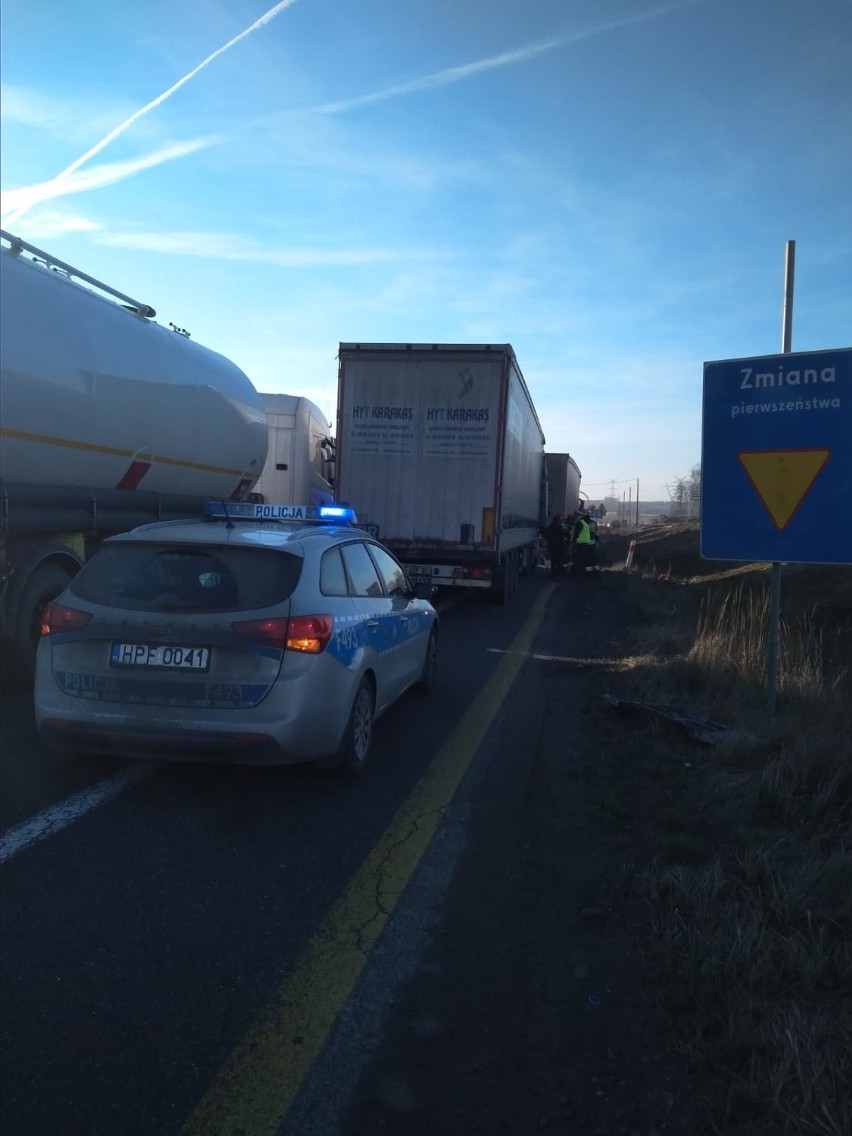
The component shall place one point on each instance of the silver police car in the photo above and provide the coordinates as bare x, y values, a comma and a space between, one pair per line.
261, 634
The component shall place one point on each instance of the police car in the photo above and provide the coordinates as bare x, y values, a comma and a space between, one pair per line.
260, 633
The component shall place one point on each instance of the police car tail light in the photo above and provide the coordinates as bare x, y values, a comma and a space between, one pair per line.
268, 632
57, 618
309, 633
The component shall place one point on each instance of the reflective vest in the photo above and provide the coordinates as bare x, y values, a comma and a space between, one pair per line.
584, 536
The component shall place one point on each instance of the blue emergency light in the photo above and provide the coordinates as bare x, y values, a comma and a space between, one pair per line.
241, 511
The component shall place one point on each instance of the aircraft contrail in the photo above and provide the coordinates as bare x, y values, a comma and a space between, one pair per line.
128, 122
505, 59
95, 177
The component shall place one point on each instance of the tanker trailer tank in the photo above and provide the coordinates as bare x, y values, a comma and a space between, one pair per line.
95, 394
105, 416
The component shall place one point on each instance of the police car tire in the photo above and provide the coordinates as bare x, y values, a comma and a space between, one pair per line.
426, 682
355, 745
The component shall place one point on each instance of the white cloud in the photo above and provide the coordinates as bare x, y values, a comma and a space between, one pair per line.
225, 246
71, 117
31, 108
47, 223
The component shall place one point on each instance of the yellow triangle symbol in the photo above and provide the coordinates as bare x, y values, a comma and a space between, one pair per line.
783, 478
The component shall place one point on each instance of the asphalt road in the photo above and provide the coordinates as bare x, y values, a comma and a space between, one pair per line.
147, 931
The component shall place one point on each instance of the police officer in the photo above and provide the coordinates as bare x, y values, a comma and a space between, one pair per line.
581, 546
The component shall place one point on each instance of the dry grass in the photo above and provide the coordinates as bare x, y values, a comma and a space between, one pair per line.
750, 933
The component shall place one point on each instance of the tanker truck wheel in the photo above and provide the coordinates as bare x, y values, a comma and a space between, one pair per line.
44, 585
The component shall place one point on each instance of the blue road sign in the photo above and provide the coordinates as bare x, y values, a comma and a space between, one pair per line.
776, 458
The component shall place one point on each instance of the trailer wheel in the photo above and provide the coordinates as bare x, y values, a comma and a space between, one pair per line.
513, 572
502, 588
44, 585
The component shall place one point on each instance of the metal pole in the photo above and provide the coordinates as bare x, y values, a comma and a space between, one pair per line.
789, 281
637, 502
774, 640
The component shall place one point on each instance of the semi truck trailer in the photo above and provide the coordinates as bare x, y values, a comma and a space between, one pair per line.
563, 485
441, 454
300, 461
107, 420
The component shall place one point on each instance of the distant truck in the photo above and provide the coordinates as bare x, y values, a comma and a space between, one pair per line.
107, 421
441, 454
563, 485
299, 465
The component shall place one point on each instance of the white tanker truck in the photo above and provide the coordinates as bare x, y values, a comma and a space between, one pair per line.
107, 421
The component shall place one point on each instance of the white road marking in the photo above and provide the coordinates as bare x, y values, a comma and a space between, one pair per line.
57, 817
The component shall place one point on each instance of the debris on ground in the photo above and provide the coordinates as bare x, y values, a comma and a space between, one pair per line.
700, 730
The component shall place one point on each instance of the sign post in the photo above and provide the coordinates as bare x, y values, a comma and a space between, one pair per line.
773, 645
776, 463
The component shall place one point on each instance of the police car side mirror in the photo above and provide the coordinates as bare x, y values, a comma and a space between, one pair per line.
425, 591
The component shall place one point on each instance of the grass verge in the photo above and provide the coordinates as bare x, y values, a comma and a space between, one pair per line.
746, 874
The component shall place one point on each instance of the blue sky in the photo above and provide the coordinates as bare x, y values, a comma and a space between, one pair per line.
606, 184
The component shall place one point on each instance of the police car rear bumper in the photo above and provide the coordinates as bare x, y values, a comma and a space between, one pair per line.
289, 726
170, 745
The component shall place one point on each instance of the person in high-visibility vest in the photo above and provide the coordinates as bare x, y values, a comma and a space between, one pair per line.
581, 546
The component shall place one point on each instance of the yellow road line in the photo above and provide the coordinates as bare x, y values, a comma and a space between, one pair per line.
253, 1091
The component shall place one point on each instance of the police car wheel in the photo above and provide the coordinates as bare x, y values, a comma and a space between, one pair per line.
426, 682
355, 746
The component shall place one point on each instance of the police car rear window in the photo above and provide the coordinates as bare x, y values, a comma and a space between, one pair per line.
361, 570
332, 574
166, 577
390, 571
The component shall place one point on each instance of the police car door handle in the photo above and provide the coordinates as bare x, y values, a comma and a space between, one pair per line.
372, 623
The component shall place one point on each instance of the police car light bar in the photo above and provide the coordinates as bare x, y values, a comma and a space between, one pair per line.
240, 511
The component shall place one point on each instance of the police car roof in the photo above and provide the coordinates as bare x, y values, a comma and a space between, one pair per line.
250, 534
252, 524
